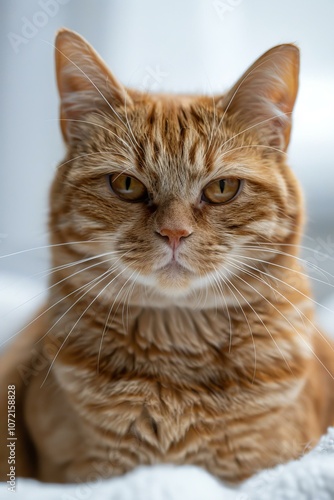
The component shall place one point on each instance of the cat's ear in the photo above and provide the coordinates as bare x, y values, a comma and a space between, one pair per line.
264, 96
85, 83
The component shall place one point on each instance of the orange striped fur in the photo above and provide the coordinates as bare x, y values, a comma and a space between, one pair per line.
177, 330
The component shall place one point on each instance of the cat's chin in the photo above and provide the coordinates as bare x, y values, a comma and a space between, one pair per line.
174, 279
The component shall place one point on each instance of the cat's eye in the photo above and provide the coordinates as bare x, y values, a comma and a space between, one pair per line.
128, 188
221, 191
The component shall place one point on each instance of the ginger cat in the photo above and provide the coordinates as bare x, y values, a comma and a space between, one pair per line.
178, 327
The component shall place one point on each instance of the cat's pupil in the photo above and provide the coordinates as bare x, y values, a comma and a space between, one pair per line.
127, 183
222, 185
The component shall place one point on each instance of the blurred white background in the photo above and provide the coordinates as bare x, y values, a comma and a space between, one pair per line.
174, 45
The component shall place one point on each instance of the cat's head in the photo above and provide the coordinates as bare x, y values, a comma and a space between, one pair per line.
182, 188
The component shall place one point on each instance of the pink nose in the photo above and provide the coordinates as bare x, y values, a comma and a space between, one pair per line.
174, 235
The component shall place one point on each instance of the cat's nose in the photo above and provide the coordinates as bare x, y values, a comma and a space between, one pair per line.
174, 235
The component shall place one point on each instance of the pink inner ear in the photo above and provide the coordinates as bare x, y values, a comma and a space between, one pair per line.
85, 83
267, 93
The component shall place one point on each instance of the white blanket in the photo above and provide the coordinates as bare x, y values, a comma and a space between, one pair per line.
310, 478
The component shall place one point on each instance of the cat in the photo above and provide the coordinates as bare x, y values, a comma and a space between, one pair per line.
179, 326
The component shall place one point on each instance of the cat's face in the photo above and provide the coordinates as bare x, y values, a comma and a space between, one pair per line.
180, 187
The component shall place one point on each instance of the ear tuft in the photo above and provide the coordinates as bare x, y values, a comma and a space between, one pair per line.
263, 98
85, 83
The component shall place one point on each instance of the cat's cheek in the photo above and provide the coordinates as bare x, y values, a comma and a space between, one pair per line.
271, 228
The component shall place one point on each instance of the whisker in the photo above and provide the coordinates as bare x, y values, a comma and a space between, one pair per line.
278, 252
237, 90
127, 301
286, 319
261, 320
285, 268
107, 320
43, 247
310, 249
248, 146
226, 307
77, 321
95, 153
233, 97
99, 126
55, 304
62, 280
213, 124
61, 267
90, 80
256, 125
285, 298
247, 321
119, 292
130, 129
97, 280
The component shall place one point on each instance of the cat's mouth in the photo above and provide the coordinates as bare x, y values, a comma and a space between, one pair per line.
174, 265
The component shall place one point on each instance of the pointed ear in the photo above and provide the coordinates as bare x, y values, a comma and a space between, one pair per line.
264, 96
85, 83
